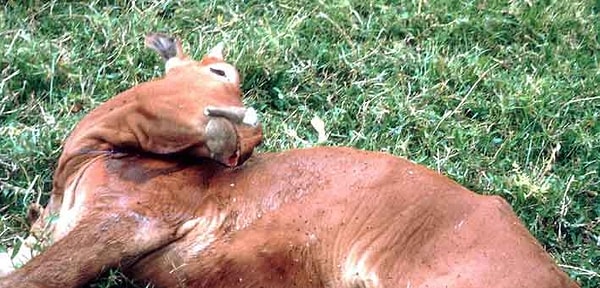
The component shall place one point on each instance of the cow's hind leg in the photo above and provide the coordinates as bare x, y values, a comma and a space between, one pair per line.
97, 242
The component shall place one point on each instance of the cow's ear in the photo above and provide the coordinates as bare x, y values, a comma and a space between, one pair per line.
217, 52
169, 48
165, 45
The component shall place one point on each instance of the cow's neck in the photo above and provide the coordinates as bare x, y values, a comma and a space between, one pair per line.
71, 161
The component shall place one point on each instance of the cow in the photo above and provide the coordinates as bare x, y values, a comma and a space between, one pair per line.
160, 181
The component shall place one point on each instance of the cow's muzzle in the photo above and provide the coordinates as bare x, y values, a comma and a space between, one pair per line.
232, 133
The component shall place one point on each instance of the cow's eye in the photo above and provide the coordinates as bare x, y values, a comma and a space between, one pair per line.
218, 72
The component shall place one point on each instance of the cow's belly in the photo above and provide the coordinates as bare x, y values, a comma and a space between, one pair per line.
478, 243
368, 240
264, 254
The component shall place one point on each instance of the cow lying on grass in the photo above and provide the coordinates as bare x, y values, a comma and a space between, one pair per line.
151, 182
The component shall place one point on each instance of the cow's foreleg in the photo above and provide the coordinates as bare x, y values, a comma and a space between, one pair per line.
95, 244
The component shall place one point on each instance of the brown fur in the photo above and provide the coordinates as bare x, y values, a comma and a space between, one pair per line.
320, 217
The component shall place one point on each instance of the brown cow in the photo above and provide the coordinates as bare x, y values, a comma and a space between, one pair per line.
129, 194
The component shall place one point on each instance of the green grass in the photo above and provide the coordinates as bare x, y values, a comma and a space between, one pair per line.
501, 96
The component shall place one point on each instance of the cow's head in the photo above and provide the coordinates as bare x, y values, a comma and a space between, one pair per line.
195, 109
231, 129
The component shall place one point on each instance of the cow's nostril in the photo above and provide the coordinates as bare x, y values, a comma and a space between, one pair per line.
233, 159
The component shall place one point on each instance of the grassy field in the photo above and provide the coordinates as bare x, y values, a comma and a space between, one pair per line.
501, 96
